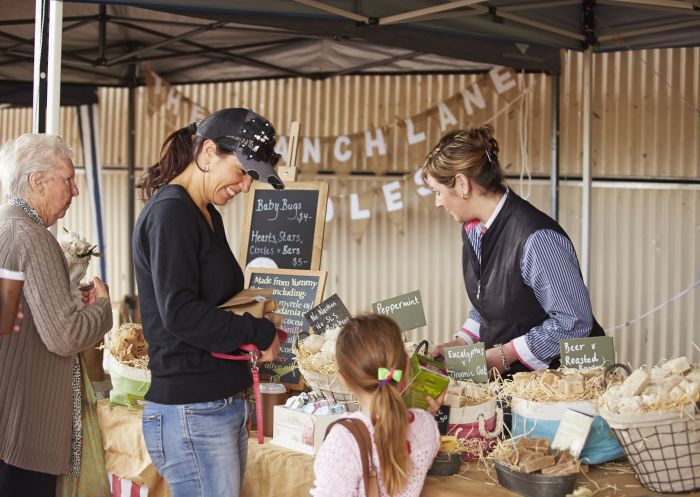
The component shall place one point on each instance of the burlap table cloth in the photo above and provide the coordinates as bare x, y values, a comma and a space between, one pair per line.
273, 471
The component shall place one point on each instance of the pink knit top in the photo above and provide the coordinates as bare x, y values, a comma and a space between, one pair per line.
338, 466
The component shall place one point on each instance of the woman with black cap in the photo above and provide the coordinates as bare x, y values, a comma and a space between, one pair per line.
520, 268
194, 420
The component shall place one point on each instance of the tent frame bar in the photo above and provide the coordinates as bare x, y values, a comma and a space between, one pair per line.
415, 15
334, 10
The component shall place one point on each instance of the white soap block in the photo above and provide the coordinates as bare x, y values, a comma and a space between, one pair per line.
332, 333
659, 373
693, 376
671, 381
635, 383
678, 365
328, 347
313, 343
691, 388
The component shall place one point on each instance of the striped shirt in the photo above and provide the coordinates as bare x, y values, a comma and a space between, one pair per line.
550, 268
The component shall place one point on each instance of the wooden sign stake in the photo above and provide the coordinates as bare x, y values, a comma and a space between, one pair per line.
288, 173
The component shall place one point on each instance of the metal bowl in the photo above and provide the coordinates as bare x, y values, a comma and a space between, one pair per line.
534, 485
445, 464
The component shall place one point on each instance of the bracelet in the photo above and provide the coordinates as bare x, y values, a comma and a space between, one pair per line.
506, 366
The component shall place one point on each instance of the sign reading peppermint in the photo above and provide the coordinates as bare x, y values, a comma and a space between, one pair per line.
406, 310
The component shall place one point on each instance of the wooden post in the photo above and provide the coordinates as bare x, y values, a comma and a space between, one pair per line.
288, 173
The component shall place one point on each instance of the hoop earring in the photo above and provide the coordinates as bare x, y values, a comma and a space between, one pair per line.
465, 196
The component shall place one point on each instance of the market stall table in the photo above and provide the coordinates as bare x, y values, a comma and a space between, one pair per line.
273, 471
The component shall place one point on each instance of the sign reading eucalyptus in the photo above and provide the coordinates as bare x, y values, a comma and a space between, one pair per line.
467, 362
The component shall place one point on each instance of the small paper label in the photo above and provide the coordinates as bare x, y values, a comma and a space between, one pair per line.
572, 432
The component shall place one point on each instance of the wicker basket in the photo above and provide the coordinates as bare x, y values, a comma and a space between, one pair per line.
328, 385
662, 447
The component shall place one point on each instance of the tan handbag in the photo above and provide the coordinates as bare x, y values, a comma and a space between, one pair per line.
364, 442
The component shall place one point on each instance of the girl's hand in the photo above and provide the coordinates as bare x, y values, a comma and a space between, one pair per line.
434, 404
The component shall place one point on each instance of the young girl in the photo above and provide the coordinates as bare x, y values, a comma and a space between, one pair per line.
371, 362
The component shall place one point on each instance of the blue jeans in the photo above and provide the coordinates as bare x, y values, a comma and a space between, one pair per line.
200, 449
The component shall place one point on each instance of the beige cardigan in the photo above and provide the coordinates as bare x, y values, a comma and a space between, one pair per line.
35, 364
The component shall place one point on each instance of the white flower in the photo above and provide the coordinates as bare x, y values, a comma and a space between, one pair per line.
77, 251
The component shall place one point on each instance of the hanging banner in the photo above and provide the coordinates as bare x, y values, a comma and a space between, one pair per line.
408, 137
361, 206
469, 106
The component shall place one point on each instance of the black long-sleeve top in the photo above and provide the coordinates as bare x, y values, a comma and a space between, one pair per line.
184, 270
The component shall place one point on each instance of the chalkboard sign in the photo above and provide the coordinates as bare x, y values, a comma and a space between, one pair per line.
284, 228
585, 353
443, 419
406, 310
296, 292
467, 362
331, 313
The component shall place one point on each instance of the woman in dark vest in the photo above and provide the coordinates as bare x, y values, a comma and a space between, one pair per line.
520, 268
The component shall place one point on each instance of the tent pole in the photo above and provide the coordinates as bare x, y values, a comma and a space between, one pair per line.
41, 45
53, 100
131, 174
586, 176
554, 175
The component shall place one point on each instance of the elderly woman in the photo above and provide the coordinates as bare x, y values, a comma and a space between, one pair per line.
38, 365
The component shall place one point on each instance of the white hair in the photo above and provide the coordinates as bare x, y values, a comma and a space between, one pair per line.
30, 153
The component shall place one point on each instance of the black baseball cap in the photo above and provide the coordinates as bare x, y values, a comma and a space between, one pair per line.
249, 136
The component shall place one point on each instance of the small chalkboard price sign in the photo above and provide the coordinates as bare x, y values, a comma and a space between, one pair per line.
284, 228
331, 313
585, 353
296, 292
443, 419
467, 362
406, 310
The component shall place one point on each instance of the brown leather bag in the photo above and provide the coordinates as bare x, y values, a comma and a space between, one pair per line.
364, 442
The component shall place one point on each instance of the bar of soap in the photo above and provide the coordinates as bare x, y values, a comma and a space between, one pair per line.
523, 377
550, 378
635, 383
678, 365
566, 468
536, 463
570, 386
534, 444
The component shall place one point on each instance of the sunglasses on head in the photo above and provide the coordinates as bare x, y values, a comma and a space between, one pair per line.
273, 180
260, 152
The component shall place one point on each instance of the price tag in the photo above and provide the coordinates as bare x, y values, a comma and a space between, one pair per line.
443, 417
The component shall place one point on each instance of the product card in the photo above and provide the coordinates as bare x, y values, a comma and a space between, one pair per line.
406, 310
586, 353
467, 362
331, 313
572, 432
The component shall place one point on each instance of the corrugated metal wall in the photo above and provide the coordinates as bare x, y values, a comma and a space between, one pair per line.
645, 237
645, 114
